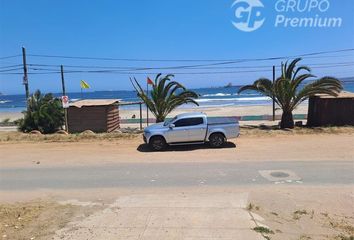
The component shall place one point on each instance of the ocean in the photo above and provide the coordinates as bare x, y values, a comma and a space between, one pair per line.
209, 97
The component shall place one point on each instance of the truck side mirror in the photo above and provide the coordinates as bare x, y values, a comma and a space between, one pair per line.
171, 126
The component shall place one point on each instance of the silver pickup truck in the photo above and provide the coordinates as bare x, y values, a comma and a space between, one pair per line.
191, 128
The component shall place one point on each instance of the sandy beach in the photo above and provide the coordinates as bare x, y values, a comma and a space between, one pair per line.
224, 111
211, 111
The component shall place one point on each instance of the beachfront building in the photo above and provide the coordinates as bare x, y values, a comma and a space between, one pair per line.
325, 110
97, 115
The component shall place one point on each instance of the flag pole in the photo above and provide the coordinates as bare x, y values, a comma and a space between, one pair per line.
83, 85
147, 108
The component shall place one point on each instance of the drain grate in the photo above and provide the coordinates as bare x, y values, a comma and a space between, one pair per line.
279, 175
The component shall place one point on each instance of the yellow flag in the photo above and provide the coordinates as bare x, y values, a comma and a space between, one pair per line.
84, 85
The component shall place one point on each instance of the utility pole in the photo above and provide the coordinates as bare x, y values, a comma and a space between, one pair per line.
273, 93
25, 77
141, 116
64, 94
62, 79
147, 108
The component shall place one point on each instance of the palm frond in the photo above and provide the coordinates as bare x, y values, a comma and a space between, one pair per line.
286, 90
262, 85
165, 95
298, 80
291, 68
326, 85
302, 68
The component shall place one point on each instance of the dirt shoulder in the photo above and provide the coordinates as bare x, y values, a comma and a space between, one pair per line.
305, 213
272, 147
37, 219
290, 212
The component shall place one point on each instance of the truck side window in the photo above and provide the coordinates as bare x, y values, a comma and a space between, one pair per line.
188, 122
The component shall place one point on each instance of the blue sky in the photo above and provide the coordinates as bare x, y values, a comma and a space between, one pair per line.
159, 29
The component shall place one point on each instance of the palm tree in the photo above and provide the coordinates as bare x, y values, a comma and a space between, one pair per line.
166, 95
286, 90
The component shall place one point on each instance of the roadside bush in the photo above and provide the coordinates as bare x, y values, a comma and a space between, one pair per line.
45, 114
5, 121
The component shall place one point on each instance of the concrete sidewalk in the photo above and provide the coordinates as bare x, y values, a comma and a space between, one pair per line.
152, 217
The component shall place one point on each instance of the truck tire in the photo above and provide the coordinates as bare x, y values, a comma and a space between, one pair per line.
217, 140
157, 143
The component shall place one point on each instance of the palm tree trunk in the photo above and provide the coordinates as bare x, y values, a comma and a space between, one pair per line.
160, 119
287, 120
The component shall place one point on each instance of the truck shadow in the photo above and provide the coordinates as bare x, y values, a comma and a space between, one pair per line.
182, 148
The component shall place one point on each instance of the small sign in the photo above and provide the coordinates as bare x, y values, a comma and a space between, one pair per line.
65, 101
25, 80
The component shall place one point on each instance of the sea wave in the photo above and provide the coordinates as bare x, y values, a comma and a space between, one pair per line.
248, 99
229, 94
207, 106
5, 101
246, 94
254, 99
216, 105
217, 95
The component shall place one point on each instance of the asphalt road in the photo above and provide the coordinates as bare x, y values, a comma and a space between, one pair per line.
174, 175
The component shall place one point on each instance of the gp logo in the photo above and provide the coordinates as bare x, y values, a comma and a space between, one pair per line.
248, 15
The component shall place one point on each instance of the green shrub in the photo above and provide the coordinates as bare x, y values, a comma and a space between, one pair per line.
45, 114
5, 121
263, 230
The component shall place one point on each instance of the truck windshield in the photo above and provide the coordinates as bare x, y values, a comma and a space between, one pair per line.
167, 122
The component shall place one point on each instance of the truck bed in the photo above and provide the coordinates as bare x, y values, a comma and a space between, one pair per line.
222, 120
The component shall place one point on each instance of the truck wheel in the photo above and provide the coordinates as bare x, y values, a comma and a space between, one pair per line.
157, 143
217, 140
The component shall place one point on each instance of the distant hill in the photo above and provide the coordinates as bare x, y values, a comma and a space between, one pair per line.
347, 79
228, 85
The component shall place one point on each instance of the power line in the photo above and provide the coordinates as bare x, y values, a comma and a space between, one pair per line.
51, 71
38, 66
11, 69
200, 66
210, 66
189, 60
10, 66
130, 68
131, 73
13, 56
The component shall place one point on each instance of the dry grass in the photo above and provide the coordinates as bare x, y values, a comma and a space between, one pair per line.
298, 213
24, 137
251, 207
33, 220
263, 230
342, 225
263, 130
343, 237
336, 227
248, 130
